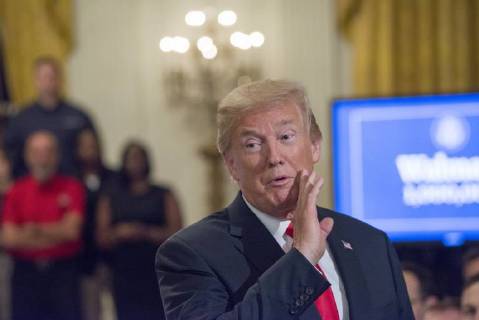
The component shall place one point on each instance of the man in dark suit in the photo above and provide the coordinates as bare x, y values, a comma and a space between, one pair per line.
272, 254
51, 112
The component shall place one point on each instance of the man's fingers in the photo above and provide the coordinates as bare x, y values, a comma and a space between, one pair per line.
303, 186
312, 178
304, 180
310, 234
309, 185
314, 192
317, 186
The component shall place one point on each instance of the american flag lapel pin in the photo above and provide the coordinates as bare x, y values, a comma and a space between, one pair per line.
347, 245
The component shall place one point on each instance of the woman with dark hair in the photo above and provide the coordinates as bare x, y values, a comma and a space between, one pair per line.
134, 217
94, 175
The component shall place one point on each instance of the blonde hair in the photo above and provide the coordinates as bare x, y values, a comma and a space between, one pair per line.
261, 94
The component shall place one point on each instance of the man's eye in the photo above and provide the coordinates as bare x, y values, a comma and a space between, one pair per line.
469, 311
287, 136
252, 145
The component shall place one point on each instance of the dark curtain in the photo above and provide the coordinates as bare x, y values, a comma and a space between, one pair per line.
4, 96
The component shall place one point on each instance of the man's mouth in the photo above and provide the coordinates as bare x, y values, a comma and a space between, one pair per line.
279, 181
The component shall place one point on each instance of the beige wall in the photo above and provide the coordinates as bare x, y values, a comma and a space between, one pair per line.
117, 68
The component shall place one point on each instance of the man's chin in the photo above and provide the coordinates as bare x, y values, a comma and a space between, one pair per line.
285, 204
42, 176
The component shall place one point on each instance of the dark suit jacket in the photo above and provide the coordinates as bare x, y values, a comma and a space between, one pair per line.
228, 266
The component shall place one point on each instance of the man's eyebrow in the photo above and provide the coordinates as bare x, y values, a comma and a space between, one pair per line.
253, 132
249, 132
284, 122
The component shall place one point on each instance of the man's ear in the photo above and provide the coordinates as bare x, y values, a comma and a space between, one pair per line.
316, 149
231, 165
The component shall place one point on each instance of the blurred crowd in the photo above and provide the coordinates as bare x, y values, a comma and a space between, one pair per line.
72, 229
429, 304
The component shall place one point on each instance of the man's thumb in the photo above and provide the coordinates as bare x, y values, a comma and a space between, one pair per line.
326, 225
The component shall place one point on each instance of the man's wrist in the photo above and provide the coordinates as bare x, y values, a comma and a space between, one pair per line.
310, 255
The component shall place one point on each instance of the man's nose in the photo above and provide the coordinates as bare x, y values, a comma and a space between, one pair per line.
274, 155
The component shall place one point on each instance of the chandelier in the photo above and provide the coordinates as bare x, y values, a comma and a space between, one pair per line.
216, 65
209, 43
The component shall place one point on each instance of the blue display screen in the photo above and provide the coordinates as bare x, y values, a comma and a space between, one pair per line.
409, 166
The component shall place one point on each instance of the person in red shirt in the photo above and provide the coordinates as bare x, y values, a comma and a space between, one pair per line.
41, 229
6, 182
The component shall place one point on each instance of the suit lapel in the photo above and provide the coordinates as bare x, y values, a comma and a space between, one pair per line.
257, 244
350, 270
262, 251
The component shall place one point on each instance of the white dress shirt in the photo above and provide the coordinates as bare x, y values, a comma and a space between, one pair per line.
277, 228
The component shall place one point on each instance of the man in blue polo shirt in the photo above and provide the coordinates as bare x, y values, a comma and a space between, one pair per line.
51, 112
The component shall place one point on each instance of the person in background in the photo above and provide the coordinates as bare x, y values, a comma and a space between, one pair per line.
470, 299
41, 229
134, 217
50, 111
5, 263
5, 176
94, 175
419, 285
470, 262
446, 309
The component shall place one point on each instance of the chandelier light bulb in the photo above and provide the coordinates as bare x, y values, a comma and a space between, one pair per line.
166, 44
227, 18
240, 40
181, 44
210, 53
236, 38
204, 43
195, 18
257, 39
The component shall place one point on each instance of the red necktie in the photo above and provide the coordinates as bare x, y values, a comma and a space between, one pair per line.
325, 303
